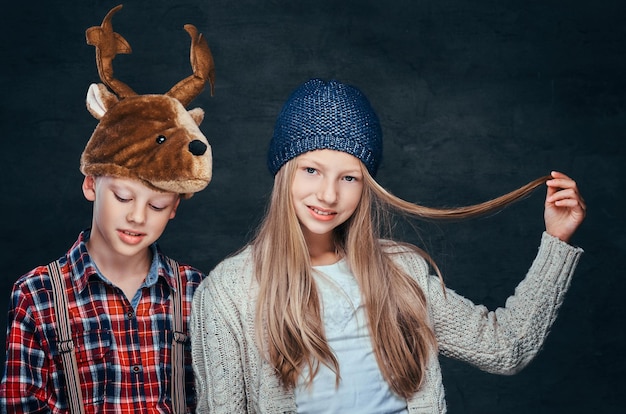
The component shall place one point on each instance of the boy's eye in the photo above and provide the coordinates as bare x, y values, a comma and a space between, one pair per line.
122, 199
156, 208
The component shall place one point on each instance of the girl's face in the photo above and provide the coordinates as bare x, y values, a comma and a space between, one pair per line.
326, 190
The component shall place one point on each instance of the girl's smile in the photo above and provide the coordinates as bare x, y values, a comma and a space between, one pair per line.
322, 214
326, 190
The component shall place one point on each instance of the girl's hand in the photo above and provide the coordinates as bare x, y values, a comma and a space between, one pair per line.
565, 208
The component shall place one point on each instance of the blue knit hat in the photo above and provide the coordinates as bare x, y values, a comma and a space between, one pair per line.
326, 115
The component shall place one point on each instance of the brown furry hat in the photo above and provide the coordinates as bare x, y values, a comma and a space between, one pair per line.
151, 138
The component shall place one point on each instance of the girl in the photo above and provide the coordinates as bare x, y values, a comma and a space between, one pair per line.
320, 313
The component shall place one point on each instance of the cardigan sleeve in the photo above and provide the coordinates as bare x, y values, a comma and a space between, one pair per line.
505, 340
217, 358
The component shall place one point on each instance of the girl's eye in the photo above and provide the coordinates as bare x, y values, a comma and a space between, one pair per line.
310, 170
350, 178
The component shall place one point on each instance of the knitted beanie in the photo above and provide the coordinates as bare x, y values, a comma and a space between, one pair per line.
326, 115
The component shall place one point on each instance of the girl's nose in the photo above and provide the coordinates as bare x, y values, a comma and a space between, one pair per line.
327, 191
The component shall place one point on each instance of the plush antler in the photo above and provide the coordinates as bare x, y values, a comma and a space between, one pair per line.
108, 44
203, 69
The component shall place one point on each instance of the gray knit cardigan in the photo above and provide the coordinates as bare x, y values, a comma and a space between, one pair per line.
233, 377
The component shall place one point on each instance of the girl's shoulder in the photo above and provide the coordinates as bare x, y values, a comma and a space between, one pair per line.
234, 269
410, 258
227, 288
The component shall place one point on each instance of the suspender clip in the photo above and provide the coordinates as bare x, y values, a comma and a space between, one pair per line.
180, 337
65, 346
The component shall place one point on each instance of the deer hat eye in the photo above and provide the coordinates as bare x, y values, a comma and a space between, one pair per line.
161, 139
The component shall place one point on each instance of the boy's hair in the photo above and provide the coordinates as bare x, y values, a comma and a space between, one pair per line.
151, 138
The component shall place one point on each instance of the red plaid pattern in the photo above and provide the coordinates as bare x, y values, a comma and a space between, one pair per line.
123, 353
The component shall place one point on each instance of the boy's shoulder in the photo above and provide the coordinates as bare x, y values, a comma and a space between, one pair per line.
188, 272
33, 289
39, 277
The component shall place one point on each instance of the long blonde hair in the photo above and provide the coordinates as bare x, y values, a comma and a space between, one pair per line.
288, 314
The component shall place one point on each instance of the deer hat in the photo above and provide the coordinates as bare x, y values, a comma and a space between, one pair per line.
151, 138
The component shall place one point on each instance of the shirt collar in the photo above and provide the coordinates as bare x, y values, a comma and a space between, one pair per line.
84, 268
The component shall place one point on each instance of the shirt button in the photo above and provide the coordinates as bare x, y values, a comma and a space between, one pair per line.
130, 314
136, 369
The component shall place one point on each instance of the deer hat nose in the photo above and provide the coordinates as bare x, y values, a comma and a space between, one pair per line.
197, 147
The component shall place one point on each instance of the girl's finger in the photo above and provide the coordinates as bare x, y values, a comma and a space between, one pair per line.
561, 183
564, 193
557, 174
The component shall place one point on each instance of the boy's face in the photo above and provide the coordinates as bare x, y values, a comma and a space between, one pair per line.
127, 215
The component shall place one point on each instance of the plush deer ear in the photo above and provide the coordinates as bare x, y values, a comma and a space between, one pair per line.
197, 114
100, 100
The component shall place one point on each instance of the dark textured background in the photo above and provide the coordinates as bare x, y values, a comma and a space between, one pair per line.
475, 97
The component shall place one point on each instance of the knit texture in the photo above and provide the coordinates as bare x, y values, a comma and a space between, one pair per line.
326, 115
232, 375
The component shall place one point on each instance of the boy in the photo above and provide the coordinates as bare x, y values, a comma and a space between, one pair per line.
104, 328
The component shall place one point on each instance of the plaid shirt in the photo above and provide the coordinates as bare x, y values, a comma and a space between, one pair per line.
123, 347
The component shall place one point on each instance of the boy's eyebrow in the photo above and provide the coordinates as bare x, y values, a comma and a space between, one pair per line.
118, 186
164, 198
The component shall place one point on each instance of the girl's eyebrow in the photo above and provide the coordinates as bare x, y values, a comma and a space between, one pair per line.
308, 160
348, 171
353, 171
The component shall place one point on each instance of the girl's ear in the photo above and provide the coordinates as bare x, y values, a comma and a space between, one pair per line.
89, 187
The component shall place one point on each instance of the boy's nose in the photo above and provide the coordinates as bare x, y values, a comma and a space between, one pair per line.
136, 215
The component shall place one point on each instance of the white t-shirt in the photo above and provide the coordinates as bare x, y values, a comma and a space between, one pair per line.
362, 388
